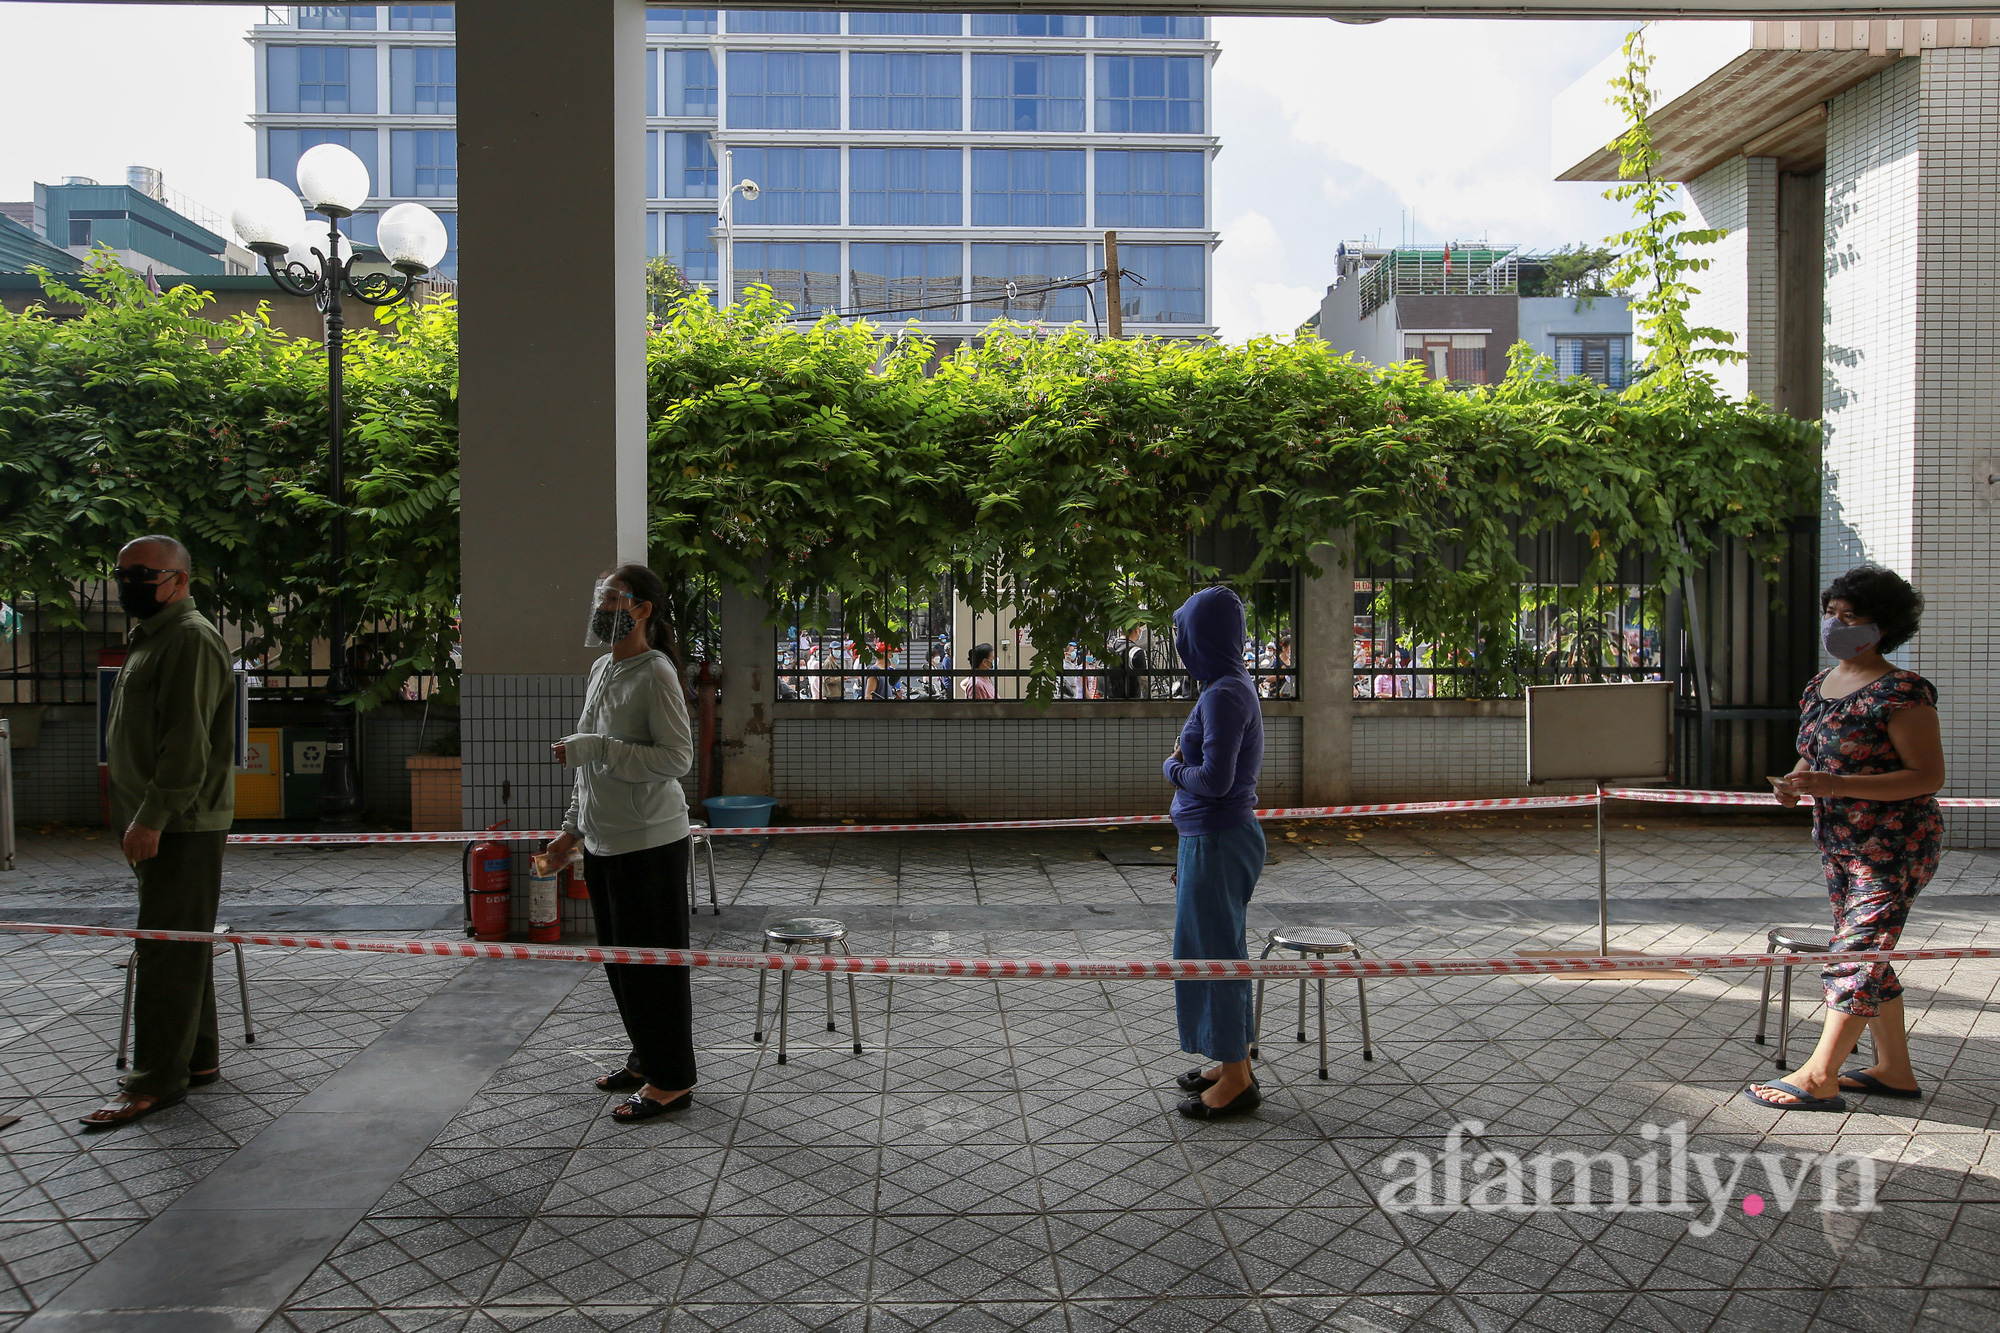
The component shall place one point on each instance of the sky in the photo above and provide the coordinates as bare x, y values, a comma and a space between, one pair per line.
1425, 129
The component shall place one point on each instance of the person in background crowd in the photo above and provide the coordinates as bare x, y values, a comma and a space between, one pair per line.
631, 746
171, 750
1279, 659
1126, 678
1072, 683
977, 685
1214, 770
1871, 757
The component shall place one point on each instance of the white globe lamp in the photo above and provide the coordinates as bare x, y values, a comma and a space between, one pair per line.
268, 218
333, 180
412, 238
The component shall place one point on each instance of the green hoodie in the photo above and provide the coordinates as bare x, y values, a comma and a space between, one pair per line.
173, 727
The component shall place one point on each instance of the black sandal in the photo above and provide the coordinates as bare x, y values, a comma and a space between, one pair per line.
622, 1081
641, 1107
1194, 1081
1246, 1101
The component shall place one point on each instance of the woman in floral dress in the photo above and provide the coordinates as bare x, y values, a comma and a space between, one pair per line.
1871, 758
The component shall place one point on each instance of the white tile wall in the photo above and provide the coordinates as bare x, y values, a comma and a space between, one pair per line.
1956, 413
993, 768
1871, 322
506, 725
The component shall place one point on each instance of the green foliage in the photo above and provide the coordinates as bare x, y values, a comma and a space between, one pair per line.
664, 286
137, 415
1065, 476
1579, 271
1654, 268
1068, 476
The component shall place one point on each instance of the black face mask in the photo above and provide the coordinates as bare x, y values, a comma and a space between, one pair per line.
611, 625
139, 599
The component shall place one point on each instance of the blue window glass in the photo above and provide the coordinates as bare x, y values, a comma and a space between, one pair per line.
679, 165
1027, 25
285, 146
917, 91
421, 18
362, 229
1148, 189
784, 21
334, 18
321, 80
684, 238
423, 163
899, 280
805, 275
1027, 187
680, 20
423, 80
904, 187
1031, 269
1027, 93
784, 90
903, 25
1151, 25
688, 86
448, 266
1174, 289
798, 186
1149, 95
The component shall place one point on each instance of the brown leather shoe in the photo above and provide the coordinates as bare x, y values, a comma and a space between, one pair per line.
125, 1108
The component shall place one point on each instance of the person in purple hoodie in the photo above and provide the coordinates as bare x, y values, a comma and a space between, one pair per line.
1214, 770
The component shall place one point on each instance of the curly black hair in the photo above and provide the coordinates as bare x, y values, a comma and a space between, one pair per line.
1884, 597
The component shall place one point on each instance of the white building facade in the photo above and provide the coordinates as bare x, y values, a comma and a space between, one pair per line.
910, 166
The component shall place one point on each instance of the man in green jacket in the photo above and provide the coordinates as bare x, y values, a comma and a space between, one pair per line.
172, 768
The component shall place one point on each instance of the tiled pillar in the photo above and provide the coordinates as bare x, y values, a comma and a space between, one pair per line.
1913, 172
1957, 415
1324, 652
552, 415
1739, 289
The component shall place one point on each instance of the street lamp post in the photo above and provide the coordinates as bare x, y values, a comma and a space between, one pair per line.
726, 213
272, 222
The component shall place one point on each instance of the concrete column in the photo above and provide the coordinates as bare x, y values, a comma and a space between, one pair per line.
744, 720
1325, 656
552, 391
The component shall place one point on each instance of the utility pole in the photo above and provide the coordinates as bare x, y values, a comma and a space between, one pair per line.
1112, 296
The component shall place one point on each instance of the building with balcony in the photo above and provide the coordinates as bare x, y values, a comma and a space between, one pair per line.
1459, 308
911, 165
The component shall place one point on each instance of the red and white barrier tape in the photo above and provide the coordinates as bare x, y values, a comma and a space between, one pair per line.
1183, 969
1098, 821
1680, 796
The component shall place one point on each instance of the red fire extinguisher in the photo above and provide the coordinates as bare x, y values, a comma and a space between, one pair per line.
489, 887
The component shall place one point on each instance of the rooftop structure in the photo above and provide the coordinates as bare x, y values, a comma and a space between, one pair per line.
148, 226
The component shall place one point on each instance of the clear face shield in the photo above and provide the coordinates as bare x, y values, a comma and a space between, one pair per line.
610, 615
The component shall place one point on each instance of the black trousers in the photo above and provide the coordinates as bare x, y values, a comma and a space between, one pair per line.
173, 1003
640, 900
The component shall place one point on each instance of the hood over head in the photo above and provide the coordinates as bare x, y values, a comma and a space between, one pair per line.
1209, 633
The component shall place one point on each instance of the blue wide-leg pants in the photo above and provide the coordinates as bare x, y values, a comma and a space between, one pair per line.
1216, 874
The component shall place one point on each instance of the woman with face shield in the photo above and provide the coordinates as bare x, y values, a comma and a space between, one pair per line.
630, 748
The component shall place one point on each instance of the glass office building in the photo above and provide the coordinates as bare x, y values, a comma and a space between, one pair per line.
946, 168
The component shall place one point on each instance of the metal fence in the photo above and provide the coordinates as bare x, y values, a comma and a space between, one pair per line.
46, 660
944, 649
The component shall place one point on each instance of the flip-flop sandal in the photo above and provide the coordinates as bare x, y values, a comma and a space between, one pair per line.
124, 1115
622, 1081
1805, 1102
641, 1107
1875, 1087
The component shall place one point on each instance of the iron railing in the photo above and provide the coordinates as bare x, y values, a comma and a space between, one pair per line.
1475, 269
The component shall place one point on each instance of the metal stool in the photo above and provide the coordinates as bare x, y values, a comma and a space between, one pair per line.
795, 933
698, 840
1786, 939
132, 981
1319, 943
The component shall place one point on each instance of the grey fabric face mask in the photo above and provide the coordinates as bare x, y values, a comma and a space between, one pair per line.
1847, 642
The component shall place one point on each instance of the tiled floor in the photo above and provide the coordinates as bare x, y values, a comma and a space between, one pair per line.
1003, 1155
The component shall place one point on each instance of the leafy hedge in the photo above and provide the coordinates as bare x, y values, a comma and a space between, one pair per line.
1065, 475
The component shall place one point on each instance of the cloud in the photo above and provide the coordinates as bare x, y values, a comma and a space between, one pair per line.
1425, 129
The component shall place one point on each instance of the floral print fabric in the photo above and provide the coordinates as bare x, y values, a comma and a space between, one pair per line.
1878, 855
